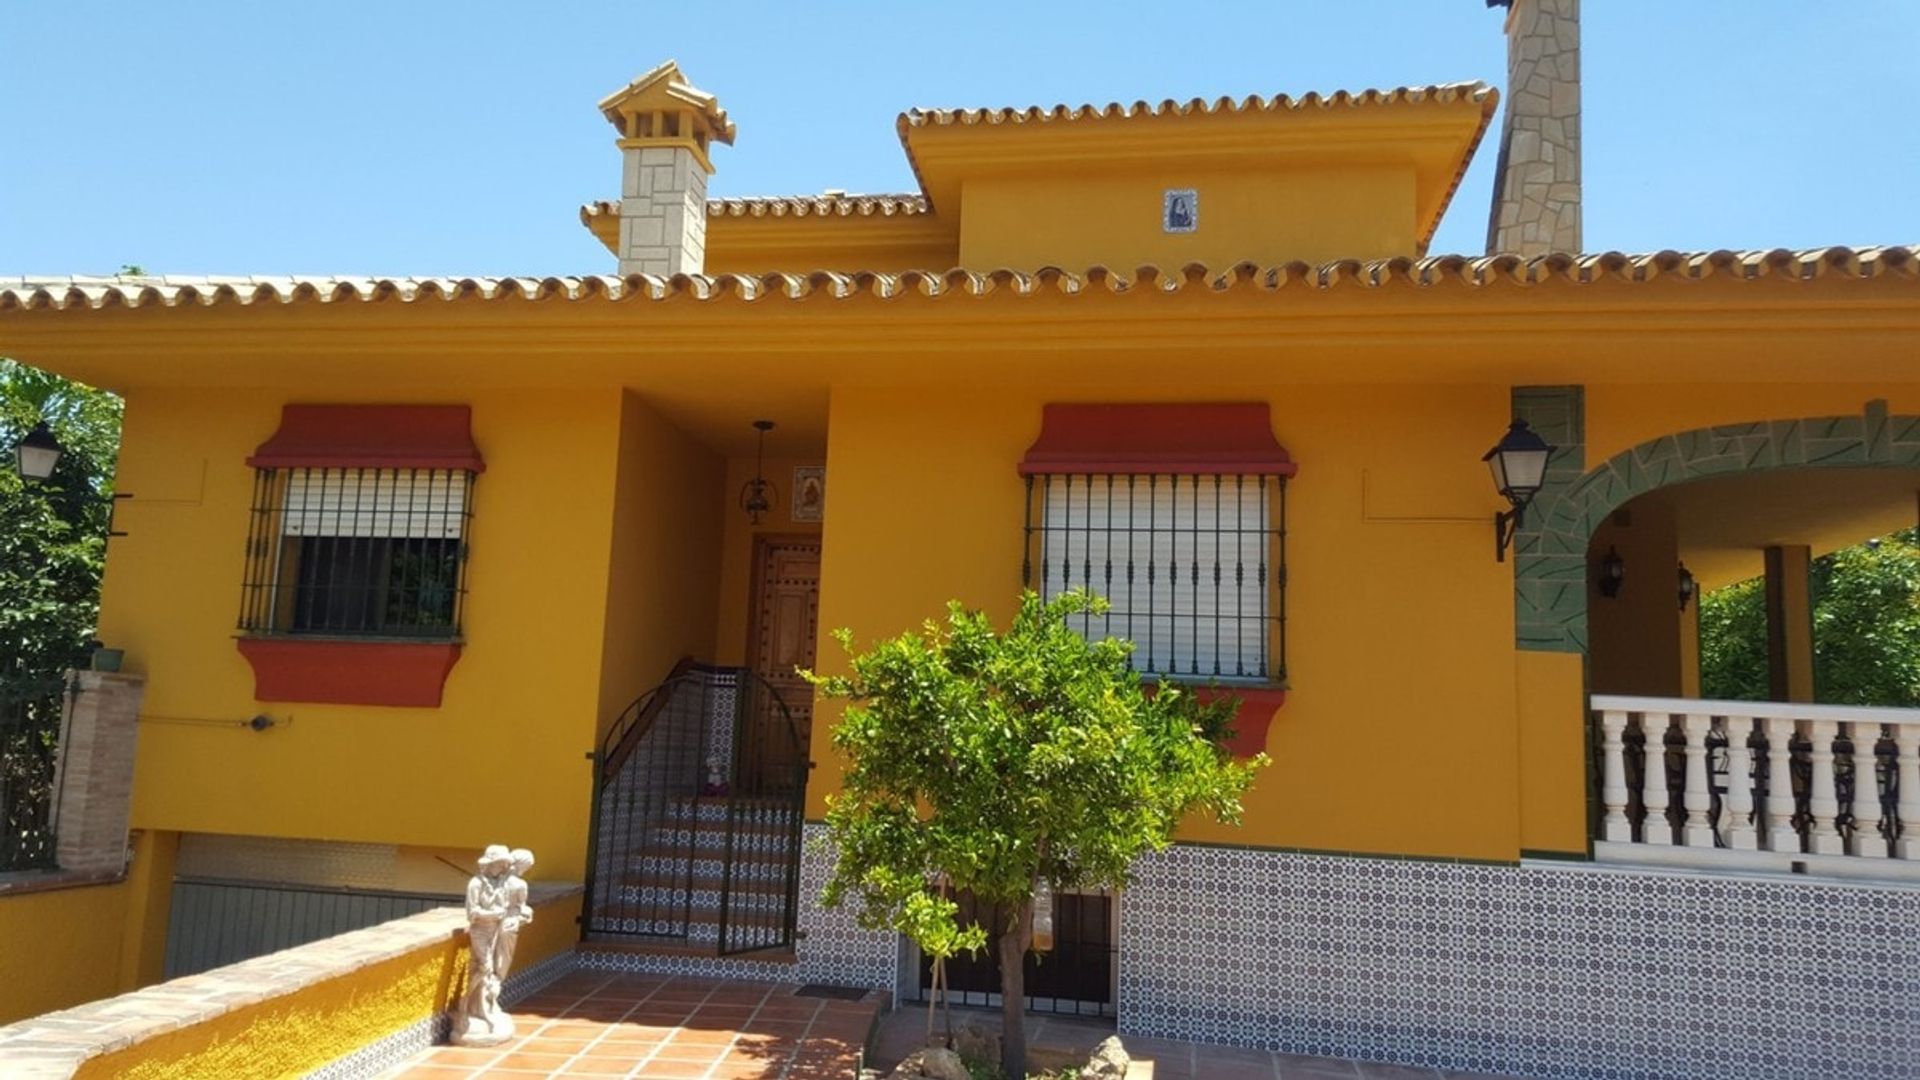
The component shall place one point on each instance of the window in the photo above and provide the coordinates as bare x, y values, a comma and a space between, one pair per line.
1175, 514
366, 552
1190, 564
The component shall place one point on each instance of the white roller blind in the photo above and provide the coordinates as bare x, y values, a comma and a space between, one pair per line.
1184, 561
413, 503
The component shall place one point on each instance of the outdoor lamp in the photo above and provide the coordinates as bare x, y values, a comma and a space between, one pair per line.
1689, 587
1519, 465
37, 454
1613, 574
756, 497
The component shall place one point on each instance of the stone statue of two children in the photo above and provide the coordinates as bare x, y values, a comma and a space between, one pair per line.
497, 908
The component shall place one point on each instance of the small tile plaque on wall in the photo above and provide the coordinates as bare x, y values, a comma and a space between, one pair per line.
1180, 210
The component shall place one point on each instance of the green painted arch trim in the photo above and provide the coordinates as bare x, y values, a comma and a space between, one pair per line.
1550, 565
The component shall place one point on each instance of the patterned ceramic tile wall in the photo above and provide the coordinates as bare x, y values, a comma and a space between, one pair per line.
832, 948
1548, 972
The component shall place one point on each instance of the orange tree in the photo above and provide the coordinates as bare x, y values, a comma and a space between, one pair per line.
993, 762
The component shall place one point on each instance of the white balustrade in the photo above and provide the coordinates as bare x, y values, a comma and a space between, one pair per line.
1781, 834
1761, 819
1655, 827
1867, 841
1907, 768
1741, 833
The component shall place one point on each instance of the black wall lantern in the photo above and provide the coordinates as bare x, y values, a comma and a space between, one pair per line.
1611, 575
37, 454
757, 496
1689, 587
1519, 465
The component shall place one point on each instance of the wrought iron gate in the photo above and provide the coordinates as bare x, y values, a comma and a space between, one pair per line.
698, 796
1075, 978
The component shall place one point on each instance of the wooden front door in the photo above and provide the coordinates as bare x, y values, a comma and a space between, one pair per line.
782, 628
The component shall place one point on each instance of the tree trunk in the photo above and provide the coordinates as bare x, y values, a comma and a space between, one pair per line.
1012, 946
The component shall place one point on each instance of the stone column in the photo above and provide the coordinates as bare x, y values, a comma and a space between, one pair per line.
1789, 623
1536, 192
93, 784
663, 210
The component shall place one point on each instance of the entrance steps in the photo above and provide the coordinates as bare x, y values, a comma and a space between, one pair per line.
663, 890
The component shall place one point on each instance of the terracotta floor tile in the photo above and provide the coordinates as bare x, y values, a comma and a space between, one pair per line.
601, 1067
542, 1045
435, 1072
756, 1070
784, 1029
632, 1032
685, 1049
465, 1056
702, 1036
672, 1070
523, 1060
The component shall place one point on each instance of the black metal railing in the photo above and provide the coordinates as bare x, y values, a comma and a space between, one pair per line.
357, 552
1192, 566
696, 820
30, 716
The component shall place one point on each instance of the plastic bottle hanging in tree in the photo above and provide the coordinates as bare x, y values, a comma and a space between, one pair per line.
1043, 918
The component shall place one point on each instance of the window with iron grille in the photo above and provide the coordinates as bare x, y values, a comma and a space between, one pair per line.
358, 552
1193, 565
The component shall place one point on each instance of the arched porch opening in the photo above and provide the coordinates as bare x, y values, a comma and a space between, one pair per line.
1777, 781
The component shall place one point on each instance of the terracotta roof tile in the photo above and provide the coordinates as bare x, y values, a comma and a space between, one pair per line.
789, 206
63, 293
1254, 103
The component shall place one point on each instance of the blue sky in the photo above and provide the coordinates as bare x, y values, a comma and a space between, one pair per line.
461, 138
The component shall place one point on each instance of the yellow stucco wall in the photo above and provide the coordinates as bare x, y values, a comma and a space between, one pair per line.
519, 707
1077, 221
1398, 734
297, 1033
59, 948
1633, 638
665, 555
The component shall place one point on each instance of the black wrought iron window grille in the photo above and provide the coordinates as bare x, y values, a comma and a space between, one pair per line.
1192, 566
357, 552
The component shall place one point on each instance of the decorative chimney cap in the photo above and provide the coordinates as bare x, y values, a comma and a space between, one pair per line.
663, 96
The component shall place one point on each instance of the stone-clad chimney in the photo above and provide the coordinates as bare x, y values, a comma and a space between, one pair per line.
1536, 192
667, 127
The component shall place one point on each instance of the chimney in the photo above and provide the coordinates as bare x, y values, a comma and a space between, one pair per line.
1536, 190
667, 126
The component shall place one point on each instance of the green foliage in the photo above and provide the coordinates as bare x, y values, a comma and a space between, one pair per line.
1866, 623
53, 533
997, 761
1866, 629
1733, 642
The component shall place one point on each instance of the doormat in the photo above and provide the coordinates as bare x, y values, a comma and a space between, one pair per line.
837, 993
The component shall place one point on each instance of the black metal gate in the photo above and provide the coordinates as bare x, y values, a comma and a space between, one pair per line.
30, 716
1074, 978
698, 797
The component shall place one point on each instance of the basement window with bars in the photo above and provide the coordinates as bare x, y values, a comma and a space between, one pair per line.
358, 552
1176, 515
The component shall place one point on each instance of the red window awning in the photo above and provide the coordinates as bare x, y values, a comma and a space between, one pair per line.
372, 437
1225, 438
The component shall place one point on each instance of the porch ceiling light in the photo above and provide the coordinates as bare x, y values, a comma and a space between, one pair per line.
1612, 575
1689, 587
37, 454
757, 496
1519, 465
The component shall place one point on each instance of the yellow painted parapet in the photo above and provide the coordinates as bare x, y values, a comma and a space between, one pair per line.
284, 1014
